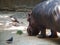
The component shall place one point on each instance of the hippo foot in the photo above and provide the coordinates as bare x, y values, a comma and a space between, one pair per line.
41, 36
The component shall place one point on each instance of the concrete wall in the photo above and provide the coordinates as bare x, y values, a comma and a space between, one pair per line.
16, 4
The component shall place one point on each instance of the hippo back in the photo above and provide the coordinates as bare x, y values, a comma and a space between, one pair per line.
46, 13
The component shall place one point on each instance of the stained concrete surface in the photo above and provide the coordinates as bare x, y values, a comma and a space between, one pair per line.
24, 39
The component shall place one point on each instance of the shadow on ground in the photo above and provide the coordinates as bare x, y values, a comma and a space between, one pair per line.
24, 39
55, 40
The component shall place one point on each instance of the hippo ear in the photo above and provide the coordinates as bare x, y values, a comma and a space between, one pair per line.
29, 16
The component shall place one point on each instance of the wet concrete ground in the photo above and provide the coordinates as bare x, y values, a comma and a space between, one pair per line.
24, 39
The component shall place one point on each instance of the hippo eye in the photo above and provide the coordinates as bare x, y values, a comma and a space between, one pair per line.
29, 14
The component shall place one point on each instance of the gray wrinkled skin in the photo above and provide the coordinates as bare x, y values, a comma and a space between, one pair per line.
45, 15
48, 14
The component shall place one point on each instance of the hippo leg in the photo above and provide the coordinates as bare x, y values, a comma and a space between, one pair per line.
32, 31
43, 32
53, 34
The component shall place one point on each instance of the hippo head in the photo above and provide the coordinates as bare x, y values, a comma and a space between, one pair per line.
31, 20
32, 27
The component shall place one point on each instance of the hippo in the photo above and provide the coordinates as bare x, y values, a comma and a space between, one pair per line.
45, 15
